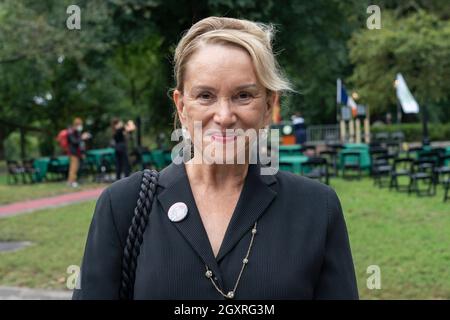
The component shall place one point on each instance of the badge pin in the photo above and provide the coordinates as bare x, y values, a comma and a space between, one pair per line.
177, 211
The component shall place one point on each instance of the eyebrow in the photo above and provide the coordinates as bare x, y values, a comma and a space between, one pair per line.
247, 86
244, 86
200, 88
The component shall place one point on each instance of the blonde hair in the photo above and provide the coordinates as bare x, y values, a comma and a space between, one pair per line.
255, 38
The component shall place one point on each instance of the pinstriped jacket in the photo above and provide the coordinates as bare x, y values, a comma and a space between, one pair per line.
301, 249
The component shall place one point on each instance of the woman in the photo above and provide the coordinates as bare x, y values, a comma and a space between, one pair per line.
235, 234
120, 132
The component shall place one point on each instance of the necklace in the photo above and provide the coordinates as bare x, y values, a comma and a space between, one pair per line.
209, 273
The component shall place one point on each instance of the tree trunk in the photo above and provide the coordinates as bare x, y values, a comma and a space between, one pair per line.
22, 144
2, 145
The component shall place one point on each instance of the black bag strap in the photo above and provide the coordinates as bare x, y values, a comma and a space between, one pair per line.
135, 232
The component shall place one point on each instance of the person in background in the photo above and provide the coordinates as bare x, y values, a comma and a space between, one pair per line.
120, 132
299, 128
76, 149
388, 118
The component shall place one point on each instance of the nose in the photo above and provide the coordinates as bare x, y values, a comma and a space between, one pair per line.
224, 114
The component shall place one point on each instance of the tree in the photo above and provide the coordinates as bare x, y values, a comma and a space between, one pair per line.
415, 45
46, 72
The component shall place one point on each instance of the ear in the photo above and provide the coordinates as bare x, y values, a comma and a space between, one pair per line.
178, 100
272, 100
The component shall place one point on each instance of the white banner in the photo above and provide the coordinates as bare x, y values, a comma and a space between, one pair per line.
407, 101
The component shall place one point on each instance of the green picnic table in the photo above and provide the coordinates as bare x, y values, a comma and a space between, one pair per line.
289, 149
292, 163
146, 157
447, 153
358, 146
95, 156
361, 148
428, 148
41, 166
423, 149
168, 157
158, 157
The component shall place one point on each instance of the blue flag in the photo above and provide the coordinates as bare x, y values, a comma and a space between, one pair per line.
341, 97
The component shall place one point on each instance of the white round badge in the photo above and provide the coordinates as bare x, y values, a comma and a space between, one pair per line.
177, 211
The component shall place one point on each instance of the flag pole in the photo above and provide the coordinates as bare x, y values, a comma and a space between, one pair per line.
399, 111
338, 95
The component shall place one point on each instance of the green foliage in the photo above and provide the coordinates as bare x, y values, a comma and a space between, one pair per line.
50, 74
120, 62
413, 131
416, 46
12, 146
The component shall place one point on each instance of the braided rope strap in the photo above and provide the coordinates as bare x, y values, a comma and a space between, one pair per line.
136, 231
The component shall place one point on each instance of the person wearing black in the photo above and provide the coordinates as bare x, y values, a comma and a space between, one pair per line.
120, 132
219, 228
299, 128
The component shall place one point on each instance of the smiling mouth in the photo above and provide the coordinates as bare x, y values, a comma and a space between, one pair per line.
224, 138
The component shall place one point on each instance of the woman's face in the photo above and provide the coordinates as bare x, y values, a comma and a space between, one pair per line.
221, 92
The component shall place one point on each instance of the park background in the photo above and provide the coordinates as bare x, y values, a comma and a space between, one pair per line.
119, 64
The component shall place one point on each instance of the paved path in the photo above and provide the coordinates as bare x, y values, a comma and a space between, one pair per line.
48, 202
16, 293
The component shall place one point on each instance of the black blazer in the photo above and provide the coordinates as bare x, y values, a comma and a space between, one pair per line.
301, 249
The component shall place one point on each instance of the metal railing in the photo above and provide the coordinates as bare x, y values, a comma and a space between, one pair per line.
320, 134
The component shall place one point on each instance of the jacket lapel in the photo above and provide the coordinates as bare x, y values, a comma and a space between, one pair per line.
255, 197
177, 189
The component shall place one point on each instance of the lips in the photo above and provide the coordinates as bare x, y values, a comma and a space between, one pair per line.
223, 138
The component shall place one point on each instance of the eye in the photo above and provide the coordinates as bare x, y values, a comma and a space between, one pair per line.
206, 96
244, 96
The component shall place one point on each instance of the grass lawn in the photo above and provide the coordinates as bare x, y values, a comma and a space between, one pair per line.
407, 237
58, 236
20, 192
